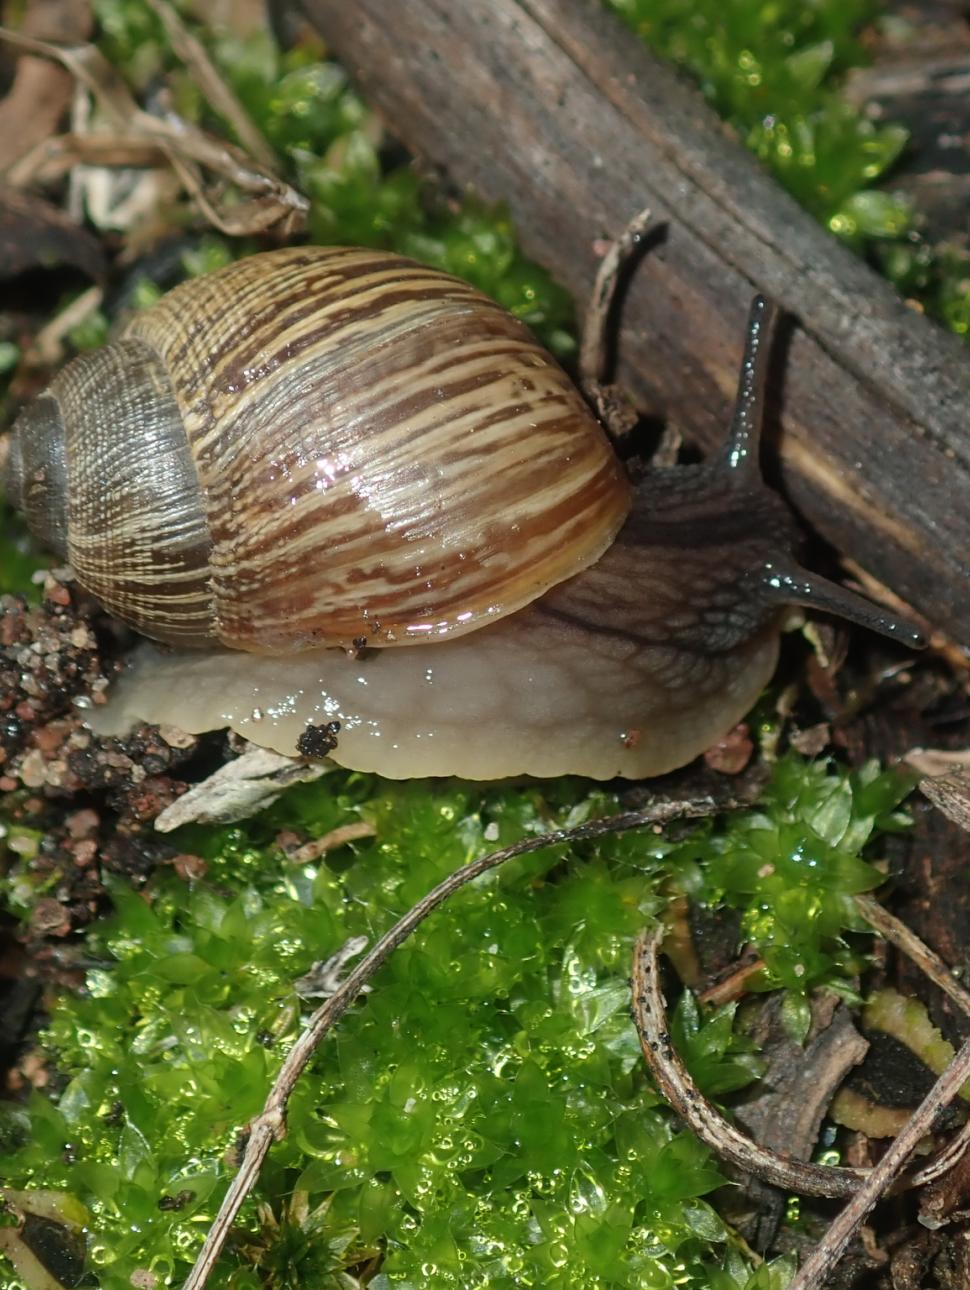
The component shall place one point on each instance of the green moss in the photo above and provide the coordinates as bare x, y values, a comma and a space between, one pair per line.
19, 560
766, 68
953, 299
793, 868
484, 1115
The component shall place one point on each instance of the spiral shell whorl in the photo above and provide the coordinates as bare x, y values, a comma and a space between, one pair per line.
11, 471
34, 472
137, 537
363, 428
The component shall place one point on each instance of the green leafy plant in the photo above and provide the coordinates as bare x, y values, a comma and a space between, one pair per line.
793, 868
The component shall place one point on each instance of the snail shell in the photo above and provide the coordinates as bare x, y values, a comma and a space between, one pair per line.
312, 446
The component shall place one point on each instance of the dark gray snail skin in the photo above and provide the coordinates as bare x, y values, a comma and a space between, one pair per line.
645, 644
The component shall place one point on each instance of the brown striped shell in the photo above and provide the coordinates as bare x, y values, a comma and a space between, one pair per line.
313, 446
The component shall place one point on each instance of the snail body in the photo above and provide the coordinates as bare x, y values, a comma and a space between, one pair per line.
325, 455
593, 678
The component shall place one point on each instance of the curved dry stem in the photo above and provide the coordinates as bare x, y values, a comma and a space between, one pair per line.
927, 960
700, 1115
729, 1143
595, 339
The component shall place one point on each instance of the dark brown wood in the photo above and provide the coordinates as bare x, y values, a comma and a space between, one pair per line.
556, 109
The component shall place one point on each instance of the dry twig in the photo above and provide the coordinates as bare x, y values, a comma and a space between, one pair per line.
950, 793
819, 1265
650, 1016
927, 960
339, 837
216, 90
674, 1081
189, 150
864, 1187
733, 986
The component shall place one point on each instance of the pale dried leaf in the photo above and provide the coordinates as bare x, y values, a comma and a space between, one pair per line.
950, 793
53, 158
239, 789
41, 93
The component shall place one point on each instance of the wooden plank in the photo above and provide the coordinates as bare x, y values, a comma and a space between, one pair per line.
556, 109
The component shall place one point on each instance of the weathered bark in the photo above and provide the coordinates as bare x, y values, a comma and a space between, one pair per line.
555, 108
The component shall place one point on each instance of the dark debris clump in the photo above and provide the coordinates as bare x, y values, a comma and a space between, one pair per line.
49, 657
52, 667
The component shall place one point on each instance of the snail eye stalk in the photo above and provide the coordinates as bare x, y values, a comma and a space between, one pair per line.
744, 435
789, 584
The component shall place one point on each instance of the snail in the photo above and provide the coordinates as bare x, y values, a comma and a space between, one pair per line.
348, 493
